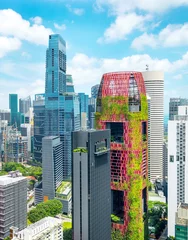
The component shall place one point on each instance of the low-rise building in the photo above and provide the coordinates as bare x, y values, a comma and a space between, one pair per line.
181, 227
47, 228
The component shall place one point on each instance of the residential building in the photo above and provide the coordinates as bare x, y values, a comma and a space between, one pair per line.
47, 228
154, 83
174, 104
94, 91
181, 227
91, 185
13, 106
62, 112
39, 118
24, 104
13, 195
122, 107
177, 164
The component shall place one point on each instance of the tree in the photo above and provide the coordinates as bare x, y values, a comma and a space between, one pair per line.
49, 208
170, 238
67, 234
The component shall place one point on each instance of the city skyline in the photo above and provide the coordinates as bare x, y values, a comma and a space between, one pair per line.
97, 48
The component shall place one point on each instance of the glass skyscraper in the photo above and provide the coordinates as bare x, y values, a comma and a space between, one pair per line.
13, 106
62, 114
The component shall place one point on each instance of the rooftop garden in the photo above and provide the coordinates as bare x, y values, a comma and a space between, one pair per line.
81, 150
63, 186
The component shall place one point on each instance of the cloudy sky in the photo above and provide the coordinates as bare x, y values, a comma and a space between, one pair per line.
101, 36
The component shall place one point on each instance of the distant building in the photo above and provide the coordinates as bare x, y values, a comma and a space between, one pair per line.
5, 114
13, 204
69, 84
165, 159
83, 98
26, 131
181, 227
47, 228
38, 194
39, 118
174, 104
24, 104
13, 106
177, 164
91, 185
91, 112
154, 83
94, 91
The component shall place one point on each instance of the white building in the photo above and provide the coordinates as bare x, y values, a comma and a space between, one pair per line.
154, 82
177, 164
48, 228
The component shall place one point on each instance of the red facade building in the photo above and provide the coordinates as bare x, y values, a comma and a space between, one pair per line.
122, 107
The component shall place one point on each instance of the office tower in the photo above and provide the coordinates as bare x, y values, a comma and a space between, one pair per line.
173, 106
165, 159
94, 91
69, 84
122, 107
24, 104
62, 113
91, 185
13, 192
181, 227
52, 173
91, 112
177, 164
13, 106
46, 228
154, 82
83, 109
26, 131
39, 118
5, 115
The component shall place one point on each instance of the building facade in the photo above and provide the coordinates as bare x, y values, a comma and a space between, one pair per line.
47, 228
94, 91
69, 84
91, 112
83, 98
181, 227
24, 104
165, 160
13, 106
13, 195
62, 112
5, 115
177, 164
174, 104
154, 83
39, 119
91, 185
122, 107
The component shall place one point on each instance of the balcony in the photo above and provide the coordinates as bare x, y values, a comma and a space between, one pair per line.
101, 151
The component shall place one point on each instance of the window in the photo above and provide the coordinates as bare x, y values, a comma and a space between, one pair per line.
171, 158
177, 158
116, 131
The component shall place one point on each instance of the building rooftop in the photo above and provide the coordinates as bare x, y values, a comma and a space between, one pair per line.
64, 188
50, 137
184, 205
11, 178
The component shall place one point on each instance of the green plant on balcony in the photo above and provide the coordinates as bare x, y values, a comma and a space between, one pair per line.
81, 150
115, 218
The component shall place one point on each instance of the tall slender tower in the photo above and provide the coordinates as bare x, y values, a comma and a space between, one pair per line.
62, 113
122, 107
154, 82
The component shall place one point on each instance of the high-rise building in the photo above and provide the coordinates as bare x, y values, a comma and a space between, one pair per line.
46, 228
83, 98
91, 112
177, 164
173, 106
13, 106
24, 104
165, 159
181, 227
122, 107
39, 119
94, 91
91, 185
13, 192
69, 84
5, 115
154, 82
62, 112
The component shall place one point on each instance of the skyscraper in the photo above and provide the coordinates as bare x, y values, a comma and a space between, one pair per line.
24, 104
83, 98
173, 106
91, 112
13, 106
62, 113
69, 84
91, 185
154, 82
94, 91
177, 164
13, 192
122, 107
39, 119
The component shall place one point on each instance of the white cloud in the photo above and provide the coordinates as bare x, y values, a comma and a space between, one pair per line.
121, 6
178, 77
37, 20
124, 25
60, 27
12, 24
8, 44
25, 55
171, 36
76, 11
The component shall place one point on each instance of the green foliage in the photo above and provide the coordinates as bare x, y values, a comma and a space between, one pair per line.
7, 238
2, 173
115, 218
67, 234
49, 208
81, 150
67, 225
117, 235
170, 238
26, 171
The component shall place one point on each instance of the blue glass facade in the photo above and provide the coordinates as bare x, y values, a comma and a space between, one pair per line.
94, 91
13, 106
62, 114
69, 84
83, 103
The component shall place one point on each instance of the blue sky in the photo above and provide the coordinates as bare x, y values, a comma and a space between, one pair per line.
101, 36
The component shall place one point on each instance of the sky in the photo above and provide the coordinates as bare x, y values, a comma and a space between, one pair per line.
101, 36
